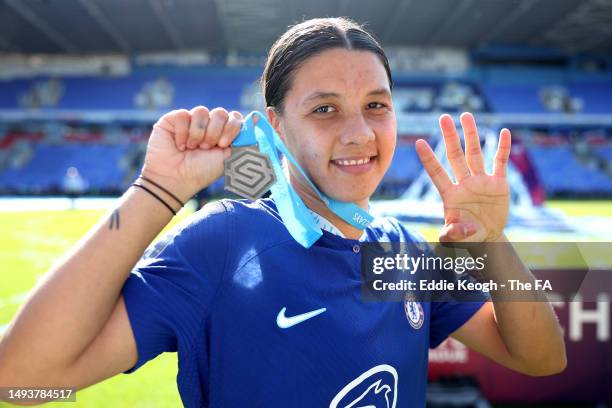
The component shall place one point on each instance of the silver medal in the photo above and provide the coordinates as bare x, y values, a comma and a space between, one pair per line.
248, 172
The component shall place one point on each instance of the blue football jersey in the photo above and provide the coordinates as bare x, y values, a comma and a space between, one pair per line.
260, 321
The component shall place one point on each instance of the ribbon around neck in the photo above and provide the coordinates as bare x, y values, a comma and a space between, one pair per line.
294, 213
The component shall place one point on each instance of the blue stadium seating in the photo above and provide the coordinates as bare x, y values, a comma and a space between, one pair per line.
98, 164
597, 97
405, 167
605, 152
560, 172
505, 90
192, 87
517, 89
514, 98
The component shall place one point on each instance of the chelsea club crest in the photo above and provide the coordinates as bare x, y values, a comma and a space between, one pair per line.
414, 313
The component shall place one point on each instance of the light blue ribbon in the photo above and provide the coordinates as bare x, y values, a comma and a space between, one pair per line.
296, 216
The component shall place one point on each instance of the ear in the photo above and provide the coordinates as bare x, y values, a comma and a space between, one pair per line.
275, 121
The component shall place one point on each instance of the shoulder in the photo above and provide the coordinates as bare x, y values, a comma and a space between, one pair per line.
227, 212
217, 236
391, 230
231, 222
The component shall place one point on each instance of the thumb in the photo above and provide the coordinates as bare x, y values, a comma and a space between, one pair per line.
457, 232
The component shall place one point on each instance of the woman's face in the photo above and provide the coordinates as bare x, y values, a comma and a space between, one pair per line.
338, 122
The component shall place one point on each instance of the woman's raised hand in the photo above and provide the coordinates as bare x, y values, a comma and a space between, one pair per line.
476, 205
186, 148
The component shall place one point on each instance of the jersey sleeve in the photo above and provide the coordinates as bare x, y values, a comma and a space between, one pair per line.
452, 312
446, 317
170, 290
449, 315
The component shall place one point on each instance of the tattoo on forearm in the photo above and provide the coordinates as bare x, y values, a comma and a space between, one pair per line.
114, 220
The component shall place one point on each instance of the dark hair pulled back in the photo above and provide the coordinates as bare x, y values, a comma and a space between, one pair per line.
305, 40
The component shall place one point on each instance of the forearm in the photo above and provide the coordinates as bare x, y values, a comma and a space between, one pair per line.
72, 302
527, 323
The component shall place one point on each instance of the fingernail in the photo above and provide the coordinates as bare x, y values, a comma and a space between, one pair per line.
204, 146
182, 148
223, 142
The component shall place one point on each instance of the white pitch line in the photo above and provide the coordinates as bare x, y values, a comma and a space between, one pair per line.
55, 203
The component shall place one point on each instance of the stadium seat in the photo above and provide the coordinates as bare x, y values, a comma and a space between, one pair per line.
99, 165
562, 173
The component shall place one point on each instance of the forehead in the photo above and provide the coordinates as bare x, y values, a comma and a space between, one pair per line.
347, 72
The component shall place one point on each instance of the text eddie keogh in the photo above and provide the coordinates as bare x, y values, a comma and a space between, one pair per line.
409, 264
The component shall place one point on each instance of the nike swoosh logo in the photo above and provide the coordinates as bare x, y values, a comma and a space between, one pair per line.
285, 322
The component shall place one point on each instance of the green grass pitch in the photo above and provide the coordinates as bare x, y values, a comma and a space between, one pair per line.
29, 245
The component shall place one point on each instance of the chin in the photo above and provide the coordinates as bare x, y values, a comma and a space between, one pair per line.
345, 189
351, 195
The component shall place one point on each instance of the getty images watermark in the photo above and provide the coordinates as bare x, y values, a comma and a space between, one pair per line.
433, 272
459, 265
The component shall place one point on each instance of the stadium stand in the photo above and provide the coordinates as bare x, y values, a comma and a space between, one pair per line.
44, 169
108, 150
562, 174
403, 170
605, 152
594, 96
189, 87
445, 96
514, 98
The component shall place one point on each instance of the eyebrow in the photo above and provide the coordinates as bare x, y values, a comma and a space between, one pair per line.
323, 95
380, 92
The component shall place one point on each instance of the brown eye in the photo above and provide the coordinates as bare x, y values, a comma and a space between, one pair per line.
375, 105
324, 109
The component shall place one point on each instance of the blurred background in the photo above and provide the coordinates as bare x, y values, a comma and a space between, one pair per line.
82, 82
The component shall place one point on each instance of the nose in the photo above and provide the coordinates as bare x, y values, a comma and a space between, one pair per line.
356, 131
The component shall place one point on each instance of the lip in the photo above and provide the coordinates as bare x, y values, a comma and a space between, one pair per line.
356, 168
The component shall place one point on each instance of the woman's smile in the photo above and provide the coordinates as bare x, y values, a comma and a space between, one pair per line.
355, 164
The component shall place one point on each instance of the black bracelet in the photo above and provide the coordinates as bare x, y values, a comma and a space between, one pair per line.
178, 200
156, 196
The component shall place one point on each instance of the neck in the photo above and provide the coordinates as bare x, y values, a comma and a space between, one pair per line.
312, 201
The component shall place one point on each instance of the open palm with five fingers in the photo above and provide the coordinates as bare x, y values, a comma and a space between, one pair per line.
476, 205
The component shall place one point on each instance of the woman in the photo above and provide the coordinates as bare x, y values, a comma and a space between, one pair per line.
257, 319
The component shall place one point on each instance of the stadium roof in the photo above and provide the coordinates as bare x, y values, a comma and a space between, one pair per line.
139, 26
